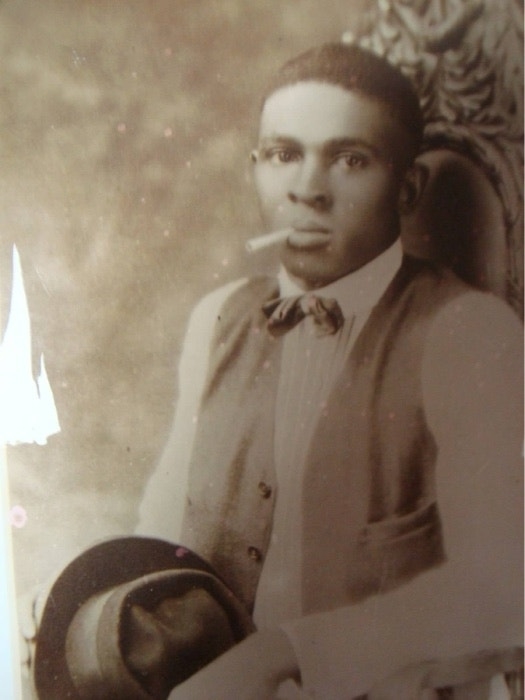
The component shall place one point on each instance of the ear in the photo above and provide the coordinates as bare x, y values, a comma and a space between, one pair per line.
414, 182
254, 155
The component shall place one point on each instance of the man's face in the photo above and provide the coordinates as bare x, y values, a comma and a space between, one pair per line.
326, 168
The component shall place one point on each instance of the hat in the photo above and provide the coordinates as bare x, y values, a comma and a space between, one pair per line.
129, 619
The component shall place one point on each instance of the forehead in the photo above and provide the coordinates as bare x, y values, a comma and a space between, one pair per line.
315, 112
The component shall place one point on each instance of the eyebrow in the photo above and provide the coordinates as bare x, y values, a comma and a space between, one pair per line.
337, 145
280, 140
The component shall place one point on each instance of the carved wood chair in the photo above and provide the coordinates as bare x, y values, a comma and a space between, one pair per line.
465, 58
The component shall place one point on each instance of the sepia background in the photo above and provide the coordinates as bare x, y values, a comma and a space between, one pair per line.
126, 185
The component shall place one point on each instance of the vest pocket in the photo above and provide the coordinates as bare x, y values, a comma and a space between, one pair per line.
392, 551
401, 525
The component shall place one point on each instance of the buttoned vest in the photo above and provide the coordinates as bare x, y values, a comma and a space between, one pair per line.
370, 518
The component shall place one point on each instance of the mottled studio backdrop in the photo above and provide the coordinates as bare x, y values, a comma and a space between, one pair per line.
125, 182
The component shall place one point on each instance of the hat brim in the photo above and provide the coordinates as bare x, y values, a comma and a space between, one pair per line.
105, 565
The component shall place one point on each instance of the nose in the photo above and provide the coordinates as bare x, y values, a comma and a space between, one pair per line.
311, 187
320, 200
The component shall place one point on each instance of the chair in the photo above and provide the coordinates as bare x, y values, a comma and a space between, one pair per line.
465, 58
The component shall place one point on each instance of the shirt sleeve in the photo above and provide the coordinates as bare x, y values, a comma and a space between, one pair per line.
162, 506
472, 388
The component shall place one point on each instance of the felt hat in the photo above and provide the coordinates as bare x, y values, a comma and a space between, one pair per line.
129, 619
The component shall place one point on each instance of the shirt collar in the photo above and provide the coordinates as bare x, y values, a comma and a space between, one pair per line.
360, 290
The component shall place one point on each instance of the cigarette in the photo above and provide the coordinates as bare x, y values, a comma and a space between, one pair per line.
267, 239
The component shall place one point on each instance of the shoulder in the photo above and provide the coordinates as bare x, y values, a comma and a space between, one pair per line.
475, 321
208, 309
236, 300
233, 302
422, 288
473, 363
214, 300
454, 309
241, 291
433, 282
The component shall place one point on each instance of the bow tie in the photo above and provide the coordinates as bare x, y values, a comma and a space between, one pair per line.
284, 314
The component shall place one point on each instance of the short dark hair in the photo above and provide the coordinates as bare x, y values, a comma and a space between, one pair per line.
360, 71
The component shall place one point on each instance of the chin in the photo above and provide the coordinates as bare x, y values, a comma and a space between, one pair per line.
308, 278
308, 269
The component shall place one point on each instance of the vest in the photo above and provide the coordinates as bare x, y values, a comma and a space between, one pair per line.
370, 517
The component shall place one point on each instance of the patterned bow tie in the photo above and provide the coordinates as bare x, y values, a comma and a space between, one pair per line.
284, 314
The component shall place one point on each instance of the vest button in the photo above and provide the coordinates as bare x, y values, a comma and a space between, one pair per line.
265, 489
254, 553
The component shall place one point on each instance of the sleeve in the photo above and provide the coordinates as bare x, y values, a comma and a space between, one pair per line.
162, 506
472, 386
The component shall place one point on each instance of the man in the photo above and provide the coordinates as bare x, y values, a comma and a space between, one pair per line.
346, 445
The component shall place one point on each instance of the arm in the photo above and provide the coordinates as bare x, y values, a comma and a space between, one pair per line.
473, 400
253, 670
472, 602
162, 506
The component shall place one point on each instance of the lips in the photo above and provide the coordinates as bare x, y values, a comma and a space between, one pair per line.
308, 236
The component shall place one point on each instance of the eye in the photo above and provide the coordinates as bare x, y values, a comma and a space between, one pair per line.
282, 155
352, 161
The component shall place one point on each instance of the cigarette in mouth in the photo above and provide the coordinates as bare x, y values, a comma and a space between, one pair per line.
267, 239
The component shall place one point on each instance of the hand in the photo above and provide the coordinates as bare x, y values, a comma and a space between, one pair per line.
27, 631
252, 670
30, 607
468, 669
